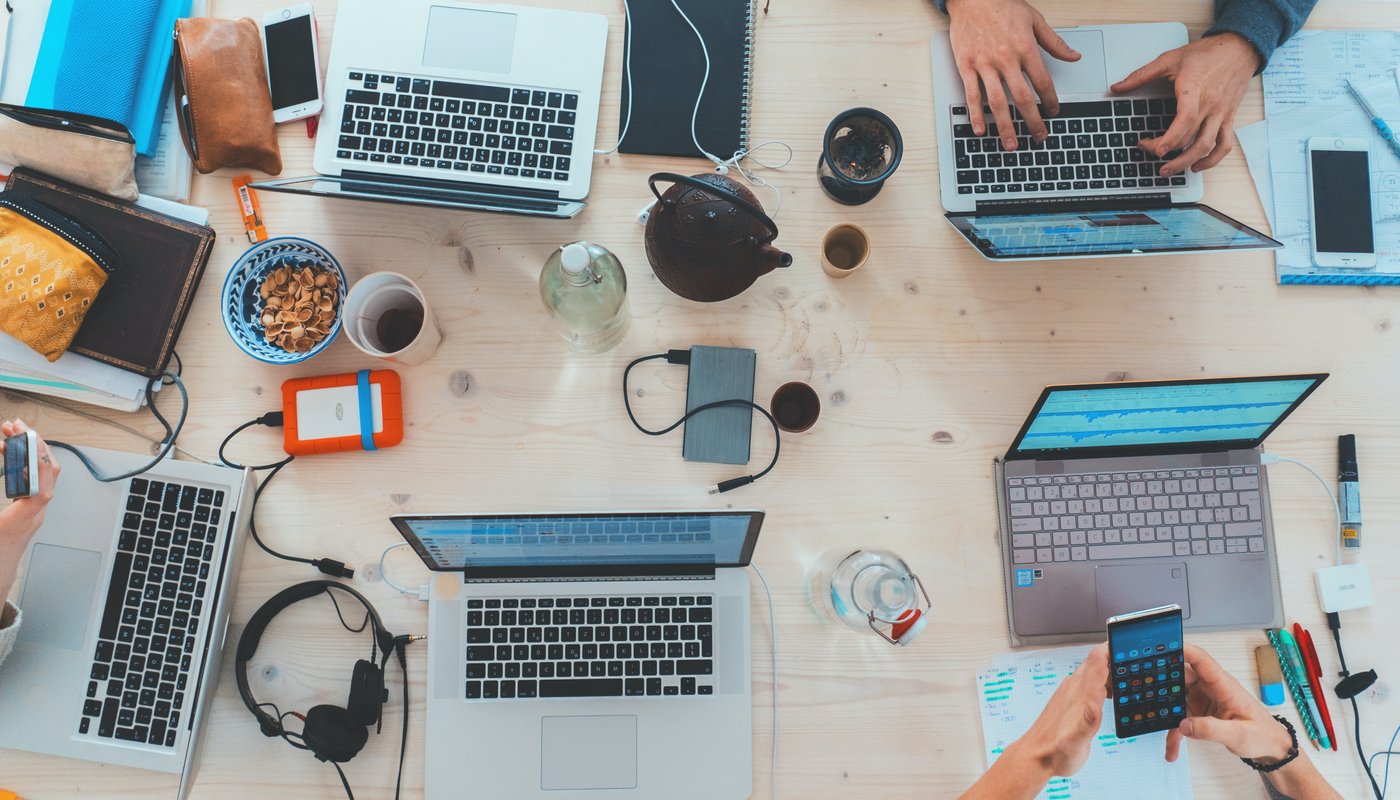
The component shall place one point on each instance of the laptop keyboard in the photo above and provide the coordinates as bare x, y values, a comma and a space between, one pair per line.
1098, 516
550, 647
1092, 147
160, 579
462, 127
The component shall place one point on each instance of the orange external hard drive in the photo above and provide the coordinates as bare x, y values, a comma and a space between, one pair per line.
335, 413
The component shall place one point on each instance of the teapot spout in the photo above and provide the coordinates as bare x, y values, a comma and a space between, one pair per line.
771, 258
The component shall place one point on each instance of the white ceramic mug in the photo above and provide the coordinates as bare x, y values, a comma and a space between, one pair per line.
383, 293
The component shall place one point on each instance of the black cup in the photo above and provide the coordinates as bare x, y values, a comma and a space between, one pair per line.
796, 407
861, 151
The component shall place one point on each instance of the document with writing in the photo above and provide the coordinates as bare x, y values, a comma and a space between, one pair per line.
1014, 690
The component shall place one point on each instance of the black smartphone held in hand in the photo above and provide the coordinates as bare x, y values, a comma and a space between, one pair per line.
1146, 671
22, 465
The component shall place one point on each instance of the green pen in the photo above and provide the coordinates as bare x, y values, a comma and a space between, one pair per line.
1298, 675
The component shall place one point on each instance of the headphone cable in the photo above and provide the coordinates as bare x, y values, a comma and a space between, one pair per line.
166, 378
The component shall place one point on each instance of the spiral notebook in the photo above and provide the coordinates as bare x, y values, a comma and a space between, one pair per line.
668, 66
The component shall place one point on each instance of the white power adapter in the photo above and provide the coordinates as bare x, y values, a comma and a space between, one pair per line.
1343, 587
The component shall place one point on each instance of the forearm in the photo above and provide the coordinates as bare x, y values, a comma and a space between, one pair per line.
10, 554
1265, 24
1015, 775
1299, 780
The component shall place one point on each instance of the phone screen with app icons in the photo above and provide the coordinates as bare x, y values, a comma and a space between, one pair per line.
1146, 671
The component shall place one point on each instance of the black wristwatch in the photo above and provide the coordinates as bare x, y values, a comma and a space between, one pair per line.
1292, 750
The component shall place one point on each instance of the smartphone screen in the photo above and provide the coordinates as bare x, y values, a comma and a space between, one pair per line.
291, 62
1146, 671
17, 466
1341, 186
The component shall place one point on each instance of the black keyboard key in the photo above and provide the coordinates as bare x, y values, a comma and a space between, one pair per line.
571, 102
635, 687
116, 589
1101, 108
694, 667
469, 91
603, 687
687, 686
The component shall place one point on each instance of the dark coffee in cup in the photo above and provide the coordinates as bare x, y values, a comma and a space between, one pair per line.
398, 327
796, 407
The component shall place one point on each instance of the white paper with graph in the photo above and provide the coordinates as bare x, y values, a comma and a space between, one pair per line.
1014, 690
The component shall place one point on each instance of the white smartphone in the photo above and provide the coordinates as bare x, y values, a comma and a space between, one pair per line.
22, 465
1339, 194
293, 62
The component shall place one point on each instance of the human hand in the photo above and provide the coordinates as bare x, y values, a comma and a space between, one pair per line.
1060, 739
996, 41
1210, 77
1221, 710
22, 518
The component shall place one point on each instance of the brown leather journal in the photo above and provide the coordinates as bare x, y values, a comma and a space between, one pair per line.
136, 320
225, 107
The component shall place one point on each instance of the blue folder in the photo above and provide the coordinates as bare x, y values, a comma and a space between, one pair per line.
109, 58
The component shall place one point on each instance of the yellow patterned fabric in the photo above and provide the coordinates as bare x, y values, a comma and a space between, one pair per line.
47, 285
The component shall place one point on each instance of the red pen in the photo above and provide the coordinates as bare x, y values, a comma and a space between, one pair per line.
1315, 678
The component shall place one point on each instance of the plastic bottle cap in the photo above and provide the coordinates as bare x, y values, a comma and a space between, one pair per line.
575, 258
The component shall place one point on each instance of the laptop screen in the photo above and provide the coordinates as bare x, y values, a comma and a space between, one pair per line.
1172, 229
1175, 416
533, 544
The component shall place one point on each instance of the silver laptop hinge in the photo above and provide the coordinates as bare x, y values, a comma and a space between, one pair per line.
595, 579
1102, 202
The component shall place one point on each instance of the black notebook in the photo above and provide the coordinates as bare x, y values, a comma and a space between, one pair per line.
668, 65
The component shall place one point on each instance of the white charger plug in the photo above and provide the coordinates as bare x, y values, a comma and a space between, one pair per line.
1343, 587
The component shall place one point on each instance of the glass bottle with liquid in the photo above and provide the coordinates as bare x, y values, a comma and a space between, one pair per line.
585, 289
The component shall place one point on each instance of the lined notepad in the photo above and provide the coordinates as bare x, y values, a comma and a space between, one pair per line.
1014, 690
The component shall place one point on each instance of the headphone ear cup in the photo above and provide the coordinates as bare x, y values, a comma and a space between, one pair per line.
367, 695
331, 734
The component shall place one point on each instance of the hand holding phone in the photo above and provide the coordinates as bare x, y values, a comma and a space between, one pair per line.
22, 465
1147, 675
293, 63
1339, 202
1223, 711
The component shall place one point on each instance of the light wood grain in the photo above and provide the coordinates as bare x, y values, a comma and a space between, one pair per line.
926, 362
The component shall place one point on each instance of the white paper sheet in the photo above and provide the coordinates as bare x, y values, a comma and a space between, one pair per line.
1014, 690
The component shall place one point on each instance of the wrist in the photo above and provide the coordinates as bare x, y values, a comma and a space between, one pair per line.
1031, 759
1244, 50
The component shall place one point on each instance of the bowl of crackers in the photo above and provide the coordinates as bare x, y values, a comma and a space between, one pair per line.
282, 300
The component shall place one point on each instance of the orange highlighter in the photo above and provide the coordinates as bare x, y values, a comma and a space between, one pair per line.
5, 795
1309, 653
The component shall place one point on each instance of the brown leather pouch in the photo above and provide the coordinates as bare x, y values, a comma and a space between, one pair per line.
224, 103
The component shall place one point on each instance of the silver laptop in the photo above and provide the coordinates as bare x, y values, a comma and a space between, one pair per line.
588, 655
1087, 190
126, 597
461, 105
1121, 496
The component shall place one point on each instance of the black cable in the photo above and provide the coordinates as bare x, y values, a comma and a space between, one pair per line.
274, 419
345, 624
167, 444
683, 357
343, 782
1334, 621
400, 643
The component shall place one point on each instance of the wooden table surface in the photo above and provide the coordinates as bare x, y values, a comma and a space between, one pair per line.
927, 362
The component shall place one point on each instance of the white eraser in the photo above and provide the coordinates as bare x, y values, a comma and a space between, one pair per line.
1344, 587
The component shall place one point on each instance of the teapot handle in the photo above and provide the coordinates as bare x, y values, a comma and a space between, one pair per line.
695, 183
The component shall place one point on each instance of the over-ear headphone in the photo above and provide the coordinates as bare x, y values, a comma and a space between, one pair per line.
332, 733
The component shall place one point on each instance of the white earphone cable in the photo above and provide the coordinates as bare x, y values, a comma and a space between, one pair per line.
773, 639
1336, 540
627, 68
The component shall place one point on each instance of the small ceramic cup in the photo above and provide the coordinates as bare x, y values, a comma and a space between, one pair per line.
845, 249
795, 407
387, 316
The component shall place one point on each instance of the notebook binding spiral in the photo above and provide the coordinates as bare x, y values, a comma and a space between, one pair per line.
746, 104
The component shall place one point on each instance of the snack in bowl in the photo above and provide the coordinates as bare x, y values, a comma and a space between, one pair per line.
299, 306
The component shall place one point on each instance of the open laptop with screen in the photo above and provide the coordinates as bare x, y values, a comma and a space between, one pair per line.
601, 653
1121, 496
1086, 190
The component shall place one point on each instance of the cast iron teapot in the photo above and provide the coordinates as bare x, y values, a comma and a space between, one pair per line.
707, 237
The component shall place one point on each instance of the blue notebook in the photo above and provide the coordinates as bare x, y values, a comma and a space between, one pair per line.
109, 58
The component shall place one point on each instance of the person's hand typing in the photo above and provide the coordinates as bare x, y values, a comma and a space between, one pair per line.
998, 42
1219, 709
1210, 77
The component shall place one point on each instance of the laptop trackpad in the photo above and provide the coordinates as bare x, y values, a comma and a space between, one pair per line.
1134, 587
58, 595
1088, 75
588, 753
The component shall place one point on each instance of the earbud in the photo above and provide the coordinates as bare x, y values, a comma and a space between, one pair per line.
645, 213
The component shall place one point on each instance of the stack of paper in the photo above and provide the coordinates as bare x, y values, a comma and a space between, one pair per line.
1014, 690
1305, 95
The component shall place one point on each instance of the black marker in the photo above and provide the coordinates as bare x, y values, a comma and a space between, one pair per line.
1349, 490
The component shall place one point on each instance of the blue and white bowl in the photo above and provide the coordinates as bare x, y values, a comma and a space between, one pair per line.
243, 306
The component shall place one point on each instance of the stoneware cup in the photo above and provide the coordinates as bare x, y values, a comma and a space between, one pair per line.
395, 295
845, 249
